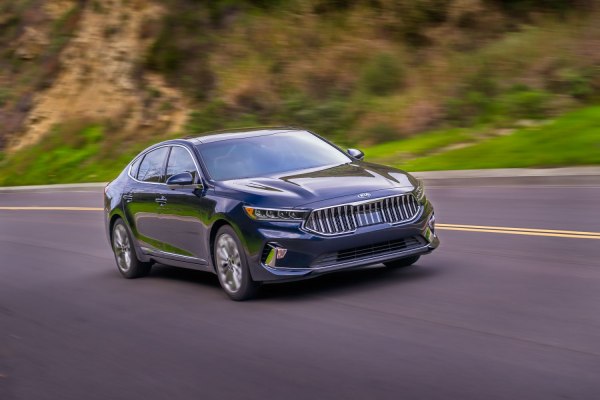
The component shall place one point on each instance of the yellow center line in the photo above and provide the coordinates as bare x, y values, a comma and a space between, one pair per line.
518, 232
504, 228
448, 227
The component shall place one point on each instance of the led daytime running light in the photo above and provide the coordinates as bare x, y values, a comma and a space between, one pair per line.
273, 214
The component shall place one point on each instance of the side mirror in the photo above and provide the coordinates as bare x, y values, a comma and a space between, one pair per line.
355, 153
178, 180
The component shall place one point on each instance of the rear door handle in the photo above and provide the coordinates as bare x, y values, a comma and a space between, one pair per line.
161, 200
128, 197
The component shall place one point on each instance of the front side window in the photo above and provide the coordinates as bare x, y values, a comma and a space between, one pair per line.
152, 166
180, 161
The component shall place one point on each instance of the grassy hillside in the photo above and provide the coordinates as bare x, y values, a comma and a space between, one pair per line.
572, 139
423, 84
373, 71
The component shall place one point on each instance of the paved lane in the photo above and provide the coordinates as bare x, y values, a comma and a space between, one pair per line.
494, 316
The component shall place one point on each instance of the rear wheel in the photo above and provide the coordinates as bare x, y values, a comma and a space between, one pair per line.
232, 267
129, 266
402, 262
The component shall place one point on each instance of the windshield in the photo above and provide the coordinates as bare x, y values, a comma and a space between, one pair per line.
268, 155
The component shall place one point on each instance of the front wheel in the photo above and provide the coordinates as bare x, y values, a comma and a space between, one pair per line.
402, 262
232, 267
129, 266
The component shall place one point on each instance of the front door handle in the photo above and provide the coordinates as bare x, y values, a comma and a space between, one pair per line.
161, 200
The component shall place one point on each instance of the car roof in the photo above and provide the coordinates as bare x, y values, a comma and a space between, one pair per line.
216, 136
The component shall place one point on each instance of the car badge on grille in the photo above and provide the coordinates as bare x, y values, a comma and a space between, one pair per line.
364, 195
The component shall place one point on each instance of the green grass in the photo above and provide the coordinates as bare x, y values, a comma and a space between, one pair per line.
573, 139
418, 145
66, 156
80, 154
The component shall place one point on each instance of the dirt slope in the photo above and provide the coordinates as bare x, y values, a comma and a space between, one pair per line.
99, 77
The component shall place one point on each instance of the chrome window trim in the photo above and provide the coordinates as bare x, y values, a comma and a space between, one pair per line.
160, 147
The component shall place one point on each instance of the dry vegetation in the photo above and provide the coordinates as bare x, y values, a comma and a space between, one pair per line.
371, 71
359, 71
80, 61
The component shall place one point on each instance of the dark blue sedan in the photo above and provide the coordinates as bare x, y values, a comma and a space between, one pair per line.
264, 205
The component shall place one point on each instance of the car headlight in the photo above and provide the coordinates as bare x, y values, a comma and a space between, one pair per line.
275, 214
420, 191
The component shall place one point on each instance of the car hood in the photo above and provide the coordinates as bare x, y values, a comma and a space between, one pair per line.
297, 189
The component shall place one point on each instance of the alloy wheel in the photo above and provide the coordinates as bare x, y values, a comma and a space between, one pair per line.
229, 263
122, 248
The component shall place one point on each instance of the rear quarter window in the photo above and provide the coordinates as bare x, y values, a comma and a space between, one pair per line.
152, 167
133, 169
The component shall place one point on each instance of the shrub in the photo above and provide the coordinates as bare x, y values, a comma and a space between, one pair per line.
209, 118
331, 117
473, 107
181, 49
164, 56
382, 75
575, 83
523, 102
216, 115
408, 20
5, 96
517, 7
325, 6
381, 132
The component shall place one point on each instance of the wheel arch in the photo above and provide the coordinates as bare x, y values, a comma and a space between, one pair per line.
212, 237
111, 224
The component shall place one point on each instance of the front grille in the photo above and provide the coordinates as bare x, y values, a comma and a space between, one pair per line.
346, 218
389, 247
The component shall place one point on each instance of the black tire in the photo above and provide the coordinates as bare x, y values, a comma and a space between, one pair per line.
127, 262
402, 262
231, 265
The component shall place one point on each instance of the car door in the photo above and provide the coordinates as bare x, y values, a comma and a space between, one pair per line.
144, 199
187, 211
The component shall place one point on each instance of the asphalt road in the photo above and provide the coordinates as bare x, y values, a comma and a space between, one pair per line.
487, 316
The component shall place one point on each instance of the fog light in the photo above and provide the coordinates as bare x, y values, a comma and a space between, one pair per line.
281, 252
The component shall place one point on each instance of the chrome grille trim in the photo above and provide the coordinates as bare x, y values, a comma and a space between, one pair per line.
346, 218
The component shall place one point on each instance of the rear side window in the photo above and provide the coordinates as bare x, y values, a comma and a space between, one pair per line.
180, 161
152, 167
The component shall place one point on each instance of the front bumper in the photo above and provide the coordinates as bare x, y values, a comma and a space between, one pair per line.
310, 254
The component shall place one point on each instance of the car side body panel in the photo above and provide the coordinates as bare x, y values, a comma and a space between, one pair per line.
176, 225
